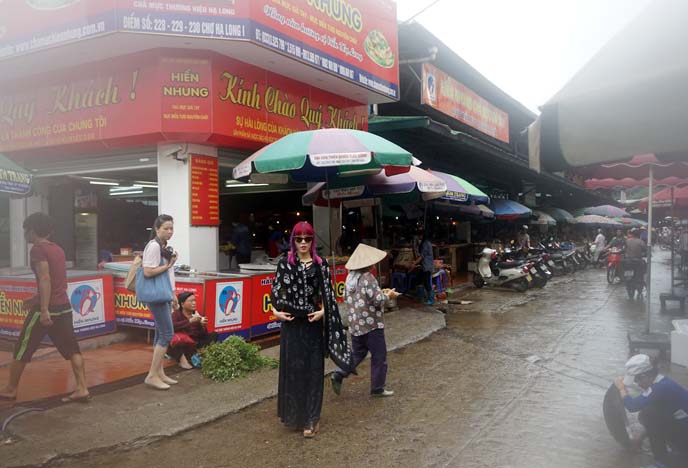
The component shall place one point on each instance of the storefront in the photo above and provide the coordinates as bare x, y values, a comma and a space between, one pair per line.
145, 108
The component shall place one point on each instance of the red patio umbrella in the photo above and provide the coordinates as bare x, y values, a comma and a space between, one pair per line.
679, 196
630, 182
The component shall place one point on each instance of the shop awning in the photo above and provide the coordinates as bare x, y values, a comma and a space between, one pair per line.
14, 179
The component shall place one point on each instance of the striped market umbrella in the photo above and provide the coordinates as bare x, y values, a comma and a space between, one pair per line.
322, 155
597, 221
460, 190
14, 179
509, 210
416, 181
543, 219
605, 210
559, 215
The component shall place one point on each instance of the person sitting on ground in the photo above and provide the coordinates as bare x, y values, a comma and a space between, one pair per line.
663, 408
365, 300
188, 321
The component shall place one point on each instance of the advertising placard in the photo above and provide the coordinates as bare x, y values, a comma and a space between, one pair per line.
263, 321
12, 313
338, 280
205, 190
442, 92
355, 40
229, 304
90, 298
260, 106
31, 25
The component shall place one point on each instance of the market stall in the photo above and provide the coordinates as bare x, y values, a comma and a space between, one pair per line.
235, 304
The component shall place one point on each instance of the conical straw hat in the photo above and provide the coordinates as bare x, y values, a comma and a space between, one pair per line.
365, 256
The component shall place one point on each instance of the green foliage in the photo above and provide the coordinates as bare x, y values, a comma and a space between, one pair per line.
233, 358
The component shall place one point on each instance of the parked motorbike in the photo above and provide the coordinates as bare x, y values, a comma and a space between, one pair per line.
614, 271
491, 272
534, 262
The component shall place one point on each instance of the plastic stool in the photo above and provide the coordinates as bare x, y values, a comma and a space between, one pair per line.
400, 281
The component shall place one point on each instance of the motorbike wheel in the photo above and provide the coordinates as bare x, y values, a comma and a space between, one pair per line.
520, 285
611, 274
540, 283
478, 281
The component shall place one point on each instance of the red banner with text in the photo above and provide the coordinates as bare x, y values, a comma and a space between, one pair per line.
450, 97
166, 96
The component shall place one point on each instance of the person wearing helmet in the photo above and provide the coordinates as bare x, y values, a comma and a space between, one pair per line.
524, 238
663, 407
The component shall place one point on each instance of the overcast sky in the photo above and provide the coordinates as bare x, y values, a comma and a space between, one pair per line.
529, 48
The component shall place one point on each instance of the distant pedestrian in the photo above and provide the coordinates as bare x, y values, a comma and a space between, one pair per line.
365, 301
49, 312
159, 259
241, 238
600, 242
302, 296
524, 239
427, 263
663, 408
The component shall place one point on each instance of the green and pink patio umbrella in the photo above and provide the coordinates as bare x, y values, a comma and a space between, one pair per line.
322, 155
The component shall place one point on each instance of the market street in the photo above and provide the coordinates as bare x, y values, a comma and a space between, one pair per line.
465, 397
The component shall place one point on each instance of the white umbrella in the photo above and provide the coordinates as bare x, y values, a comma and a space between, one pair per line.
628, 99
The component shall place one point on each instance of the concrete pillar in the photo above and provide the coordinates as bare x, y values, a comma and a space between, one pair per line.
321, 224
197, 245
20, 208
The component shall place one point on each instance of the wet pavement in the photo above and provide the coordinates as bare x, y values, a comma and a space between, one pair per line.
515, 380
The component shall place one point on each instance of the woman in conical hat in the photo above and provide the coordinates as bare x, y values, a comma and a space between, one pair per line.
365, 301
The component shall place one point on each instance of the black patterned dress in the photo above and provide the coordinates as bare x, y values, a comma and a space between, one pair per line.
298, 289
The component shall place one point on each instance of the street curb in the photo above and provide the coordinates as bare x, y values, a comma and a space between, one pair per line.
400, 335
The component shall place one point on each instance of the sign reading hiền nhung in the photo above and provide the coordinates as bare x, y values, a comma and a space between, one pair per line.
355, 40
447, 95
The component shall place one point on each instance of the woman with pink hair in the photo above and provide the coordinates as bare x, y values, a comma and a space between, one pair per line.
303, 299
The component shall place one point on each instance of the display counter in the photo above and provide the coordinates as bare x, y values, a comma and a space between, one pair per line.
90, 295
235, 304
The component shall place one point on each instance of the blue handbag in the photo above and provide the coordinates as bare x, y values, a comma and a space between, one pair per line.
154, 290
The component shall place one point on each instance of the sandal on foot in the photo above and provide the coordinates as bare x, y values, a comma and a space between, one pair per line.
309, 432
73, 399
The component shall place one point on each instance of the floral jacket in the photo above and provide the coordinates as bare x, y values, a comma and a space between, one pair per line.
365, 300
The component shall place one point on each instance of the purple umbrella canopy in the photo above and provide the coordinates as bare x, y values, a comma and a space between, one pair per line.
415, 180
605, 210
